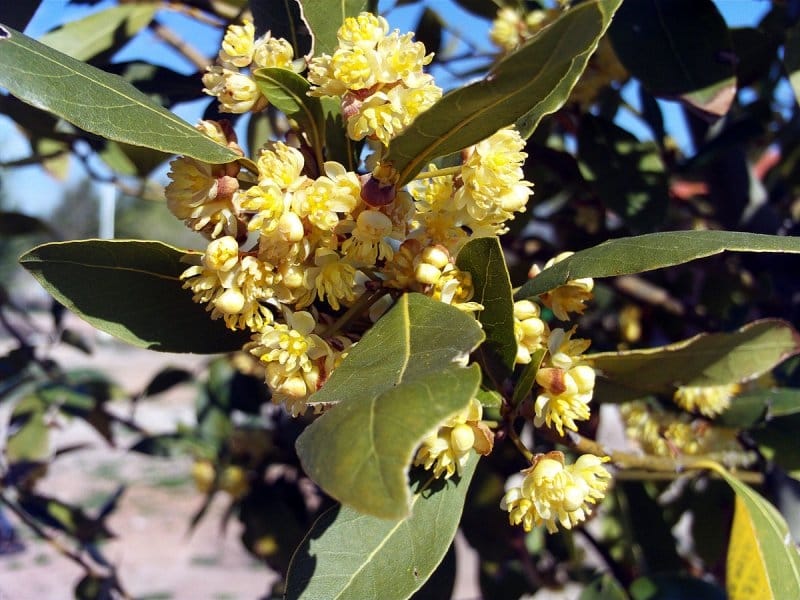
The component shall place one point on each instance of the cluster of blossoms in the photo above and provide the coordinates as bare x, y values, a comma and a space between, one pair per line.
708, 400
303, 252
294, 243
513, 27
230, 80
552, 492
379, 77
669, 434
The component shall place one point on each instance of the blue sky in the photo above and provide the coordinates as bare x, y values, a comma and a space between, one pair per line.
43, 192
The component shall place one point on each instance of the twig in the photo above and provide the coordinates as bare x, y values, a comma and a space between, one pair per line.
39, 531
191, 54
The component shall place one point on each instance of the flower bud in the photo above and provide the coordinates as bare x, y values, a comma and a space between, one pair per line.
230, 302
462, 438
427, 274
222, 254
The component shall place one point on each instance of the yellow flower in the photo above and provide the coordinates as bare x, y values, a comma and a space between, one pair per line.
367, 243
364, 30
321, 200
236, 92
494, 185
507, 29
237, 45
294, 356
565, 397
233, 287
552, 492
277, 53
708, 400
454, 287
202, 195
570, 297
267, 202
331, 277
281, 165
446, 451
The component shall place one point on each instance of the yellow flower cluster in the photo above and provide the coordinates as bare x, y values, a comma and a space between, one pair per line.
446, 450
664, 433
708, 400
511, 28
553, 492
566, 381
378, 76
236, 89
294, 240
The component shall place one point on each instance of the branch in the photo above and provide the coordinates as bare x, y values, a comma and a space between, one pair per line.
189, 52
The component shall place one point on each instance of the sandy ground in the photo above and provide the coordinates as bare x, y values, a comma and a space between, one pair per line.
156, 557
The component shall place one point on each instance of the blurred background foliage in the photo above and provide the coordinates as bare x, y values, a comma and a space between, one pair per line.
681, 123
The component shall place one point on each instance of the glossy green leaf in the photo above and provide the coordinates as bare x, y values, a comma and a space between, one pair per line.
624, 256
325, 17
96, 101
351, 556
101, 31
132, 290
705, 359
758, 405
526, 380
529, 83
397, 384
627, 175
288, 92
484, 260
690, 43
761, 551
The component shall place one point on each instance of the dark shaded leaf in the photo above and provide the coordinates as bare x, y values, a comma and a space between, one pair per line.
18, 14
283, 18
165, 379
483, 259
689, 41
628, 175
429, 30
123, 273
624, 256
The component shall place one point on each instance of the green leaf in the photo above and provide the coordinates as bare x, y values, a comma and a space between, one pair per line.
324, 19
96, 101
28, 439
526, 380
288, 92
762, 558
688, 40
132, 290
529, 83
395, 386
705, 359
624, 256
628, 175
351, 556
101, 31
754, 406
483, 259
